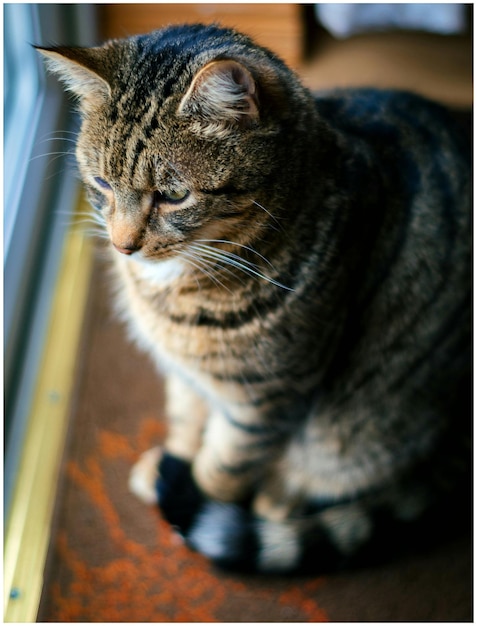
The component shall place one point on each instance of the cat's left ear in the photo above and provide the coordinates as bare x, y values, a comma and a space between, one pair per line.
82, 71
222, 94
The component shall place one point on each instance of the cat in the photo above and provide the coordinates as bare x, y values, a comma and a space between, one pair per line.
299, 268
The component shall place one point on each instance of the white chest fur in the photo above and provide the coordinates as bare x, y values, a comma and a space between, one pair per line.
158, 272
142, 285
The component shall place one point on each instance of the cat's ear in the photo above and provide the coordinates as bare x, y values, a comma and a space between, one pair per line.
81, 70
222, 94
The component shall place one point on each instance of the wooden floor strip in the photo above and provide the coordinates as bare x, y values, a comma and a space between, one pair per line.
28, 527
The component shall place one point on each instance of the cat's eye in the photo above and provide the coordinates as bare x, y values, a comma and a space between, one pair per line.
102, 183
175, 195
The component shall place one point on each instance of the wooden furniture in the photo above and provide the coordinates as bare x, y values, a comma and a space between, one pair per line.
276, 26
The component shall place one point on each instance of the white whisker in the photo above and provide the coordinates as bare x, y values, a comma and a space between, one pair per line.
275, 219
56, 155
198, 262
201, 250
233, 260
91, 223
239, 245
62, 132
58, 139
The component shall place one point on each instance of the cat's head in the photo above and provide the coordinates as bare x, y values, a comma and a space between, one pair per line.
183, 134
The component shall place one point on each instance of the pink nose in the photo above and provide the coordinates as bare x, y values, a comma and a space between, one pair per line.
126, 250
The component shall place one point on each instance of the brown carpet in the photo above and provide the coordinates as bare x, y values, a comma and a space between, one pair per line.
112, 559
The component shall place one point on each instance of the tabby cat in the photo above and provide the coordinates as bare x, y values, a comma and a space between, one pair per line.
299, 269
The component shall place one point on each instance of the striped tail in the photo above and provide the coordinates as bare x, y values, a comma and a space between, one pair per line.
329, 537
231, 536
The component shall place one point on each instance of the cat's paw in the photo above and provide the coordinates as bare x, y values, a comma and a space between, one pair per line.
144, 475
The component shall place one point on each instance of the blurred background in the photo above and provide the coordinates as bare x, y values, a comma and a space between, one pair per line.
423, 47
51, 270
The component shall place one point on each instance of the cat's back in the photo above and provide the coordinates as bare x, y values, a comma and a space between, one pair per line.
418, 158
412, 198
413, 140
377, 115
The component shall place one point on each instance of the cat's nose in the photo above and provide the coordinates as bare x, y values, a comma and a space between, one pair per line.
127, 249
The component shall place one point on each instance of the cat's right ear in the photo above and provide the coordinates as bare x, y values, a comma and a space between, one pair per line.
222, 95
81, 70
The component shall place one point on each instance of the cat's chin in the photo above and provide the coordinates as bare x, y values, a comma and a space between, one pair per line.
159, 271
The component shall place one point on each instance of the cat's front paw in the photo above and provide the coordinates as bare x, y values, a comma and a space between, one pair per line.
144, 475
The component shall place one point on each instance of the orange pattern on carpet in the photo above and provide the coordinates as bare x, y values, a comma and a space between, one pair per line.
159, 580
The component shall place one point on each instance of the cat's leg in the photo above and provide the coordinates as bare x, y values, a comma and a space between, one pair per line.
317, 504
204, 456
300, 522
288, 525
235, 452
295, 522
207, 500
187, 414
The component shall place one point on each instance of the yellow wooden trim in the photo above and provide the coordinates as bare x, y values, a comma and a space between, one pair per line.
28, 526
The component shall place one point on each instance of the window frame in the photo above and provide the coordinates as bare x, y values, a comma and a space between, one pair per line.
40, 193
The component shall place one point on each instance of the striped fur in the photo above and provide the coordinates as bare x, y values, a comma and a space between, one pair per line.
299, 268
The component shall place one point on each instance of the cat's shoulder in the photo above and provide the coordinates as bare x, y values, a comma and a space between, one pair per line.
367, 101
374, 112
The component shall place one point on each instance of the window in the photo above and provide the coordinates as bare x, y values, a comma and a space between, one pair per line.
40, 190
